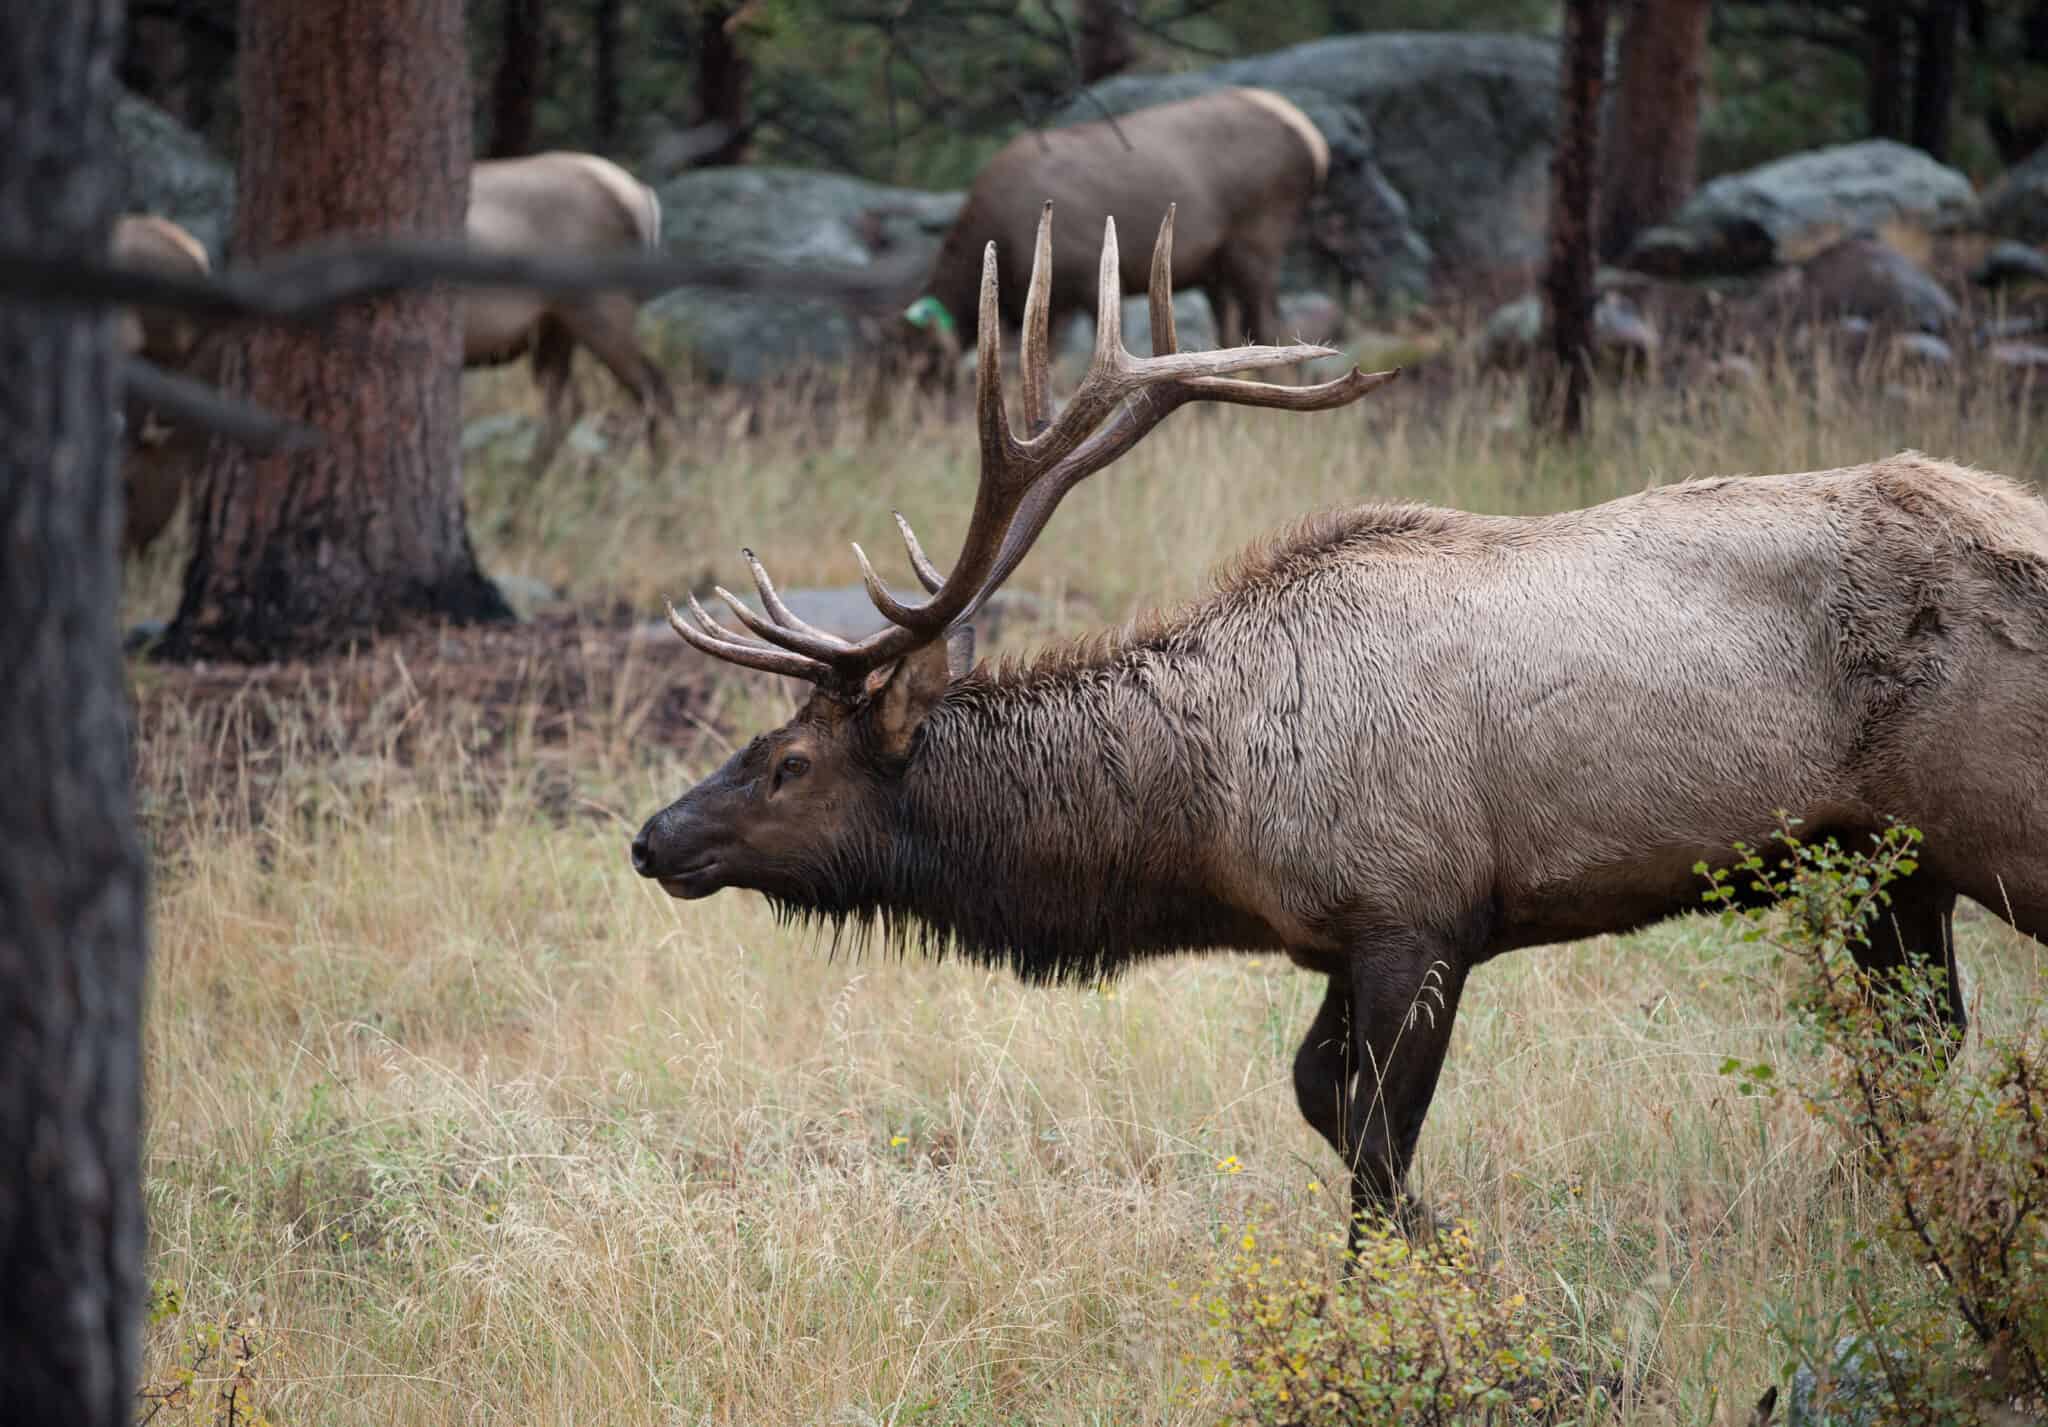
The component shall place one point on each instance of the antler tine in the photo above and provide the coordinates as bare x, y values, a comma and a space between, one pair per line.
753, 656
997, 444
816, 644
781, 613
1164, 338
927, 573
884, 599
1109, 310
1037, 346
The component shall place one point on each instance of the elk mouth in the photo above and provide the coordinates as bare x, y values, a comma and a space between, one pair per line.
699, 879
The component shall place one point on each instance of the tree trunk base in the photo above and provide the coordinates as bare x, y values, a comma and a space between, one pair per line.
280, 614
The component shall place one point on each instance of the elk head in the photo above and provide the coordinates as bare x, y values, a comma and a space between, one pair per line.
798, 810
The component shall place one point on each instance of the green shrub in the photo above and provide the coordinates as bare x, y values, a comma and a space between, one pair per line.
1957, 1148
212, 1379
1416, 1333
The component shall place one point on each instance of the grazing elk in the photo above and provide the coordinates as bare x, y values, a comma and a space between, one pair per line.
1240, 164
154, 456
564, 204
1396, 741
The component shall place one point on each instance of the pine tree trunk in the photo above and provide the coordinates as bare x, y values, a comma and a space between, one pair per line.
355, 120
1934, 75
723, 78
1560, 387
1652, 158
515, 84
71, 873
1884, 42
606, 106
1102, 40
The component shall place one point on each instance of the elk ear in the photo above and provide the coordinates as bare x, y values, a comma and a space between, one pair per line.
960, 650
902, 694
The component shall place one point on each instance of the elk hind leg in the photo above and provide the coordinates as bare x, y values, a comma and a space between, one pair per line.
1917, 929
1324, 1069
605, 326
553, 357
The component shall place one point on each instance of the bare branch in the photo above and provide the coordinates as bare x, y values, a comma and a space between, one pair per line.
198, 407
309, 282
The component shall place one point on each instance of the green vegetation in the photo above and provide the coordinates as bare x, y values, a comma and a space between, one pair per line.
1956, 1155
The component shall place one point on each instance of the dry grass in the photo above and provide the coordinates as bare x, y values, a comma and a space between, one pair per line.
482, 1129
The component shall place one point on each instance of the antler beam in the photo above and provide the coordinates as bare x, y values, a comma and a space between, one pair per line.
1024, 480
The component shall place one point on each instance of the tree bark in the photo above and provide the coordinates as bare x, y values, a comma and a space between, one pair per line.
606, 105
1561, 387
355, 120
1102, 40
1652, 158
71, 870
179, 55
1934, 74
515, 83
723, 77
1884, 69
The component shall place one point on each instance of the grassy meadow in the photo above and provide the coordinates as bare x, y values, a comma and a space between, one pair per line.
455, 1121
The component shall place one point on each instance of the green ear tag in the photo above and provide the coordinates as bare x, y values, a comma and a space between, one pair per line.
927, 312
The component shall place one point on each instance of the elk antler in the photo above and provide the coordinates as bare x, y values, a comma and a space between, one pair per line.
1023, 480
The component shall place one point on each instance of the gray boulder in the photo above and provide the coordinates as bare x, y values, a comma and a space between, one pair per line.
2019, 356
1786, 210
1621, 333
2017, 205
168, 170
1855, 1394
2010, 262
1924, 348
1871, 280
1439, 144
844, 255
846, 610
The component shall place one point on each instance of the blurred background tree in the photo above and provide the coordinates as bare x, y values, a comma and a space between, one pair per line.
922, 91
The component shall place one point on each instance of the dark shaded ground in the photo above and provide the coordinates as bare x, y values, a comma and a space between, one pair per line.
554, 713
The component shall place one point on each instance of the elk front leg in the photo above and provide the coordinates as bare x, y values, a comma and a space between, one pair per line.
1405, 987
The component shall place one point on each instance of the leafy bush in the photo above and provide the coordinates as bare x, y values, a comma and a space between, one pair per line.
1959, 1151
212, 1380
1417, 1334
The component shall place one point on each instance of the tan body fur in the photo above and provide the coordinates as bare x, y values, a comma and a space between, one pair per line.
1396, 742
1240, 164
154, 459
563, 204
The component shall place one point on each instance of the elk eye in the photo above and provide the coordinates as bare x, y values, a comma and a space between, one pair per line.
795, 766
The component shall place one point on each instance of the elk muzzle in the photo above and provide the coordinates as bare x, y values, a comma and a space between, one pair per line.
683, 850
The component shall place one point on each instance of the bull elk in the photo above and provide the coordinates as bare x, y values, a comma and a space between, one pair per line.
1240, 164
1395, 742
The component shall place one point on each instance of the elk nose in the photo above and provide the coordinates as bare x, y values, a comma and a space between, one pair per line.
640, 854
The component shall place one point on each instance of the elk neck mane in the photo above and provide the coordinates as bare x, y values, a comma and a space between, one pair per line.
1026, 834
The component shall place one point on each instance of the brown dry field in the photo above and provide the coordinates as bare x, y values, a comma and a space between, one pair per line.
454, 1120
